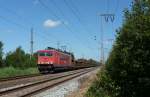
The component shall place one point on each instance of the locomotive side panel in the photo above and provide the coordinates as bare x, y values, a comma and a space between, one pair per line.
63, 60
56, 59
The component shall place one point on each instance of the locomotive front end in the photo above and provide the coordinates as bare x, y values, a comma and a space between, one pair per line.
45, 61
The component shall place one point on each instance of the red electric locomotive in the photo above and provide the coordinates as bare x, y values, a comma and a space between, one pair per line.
52, 59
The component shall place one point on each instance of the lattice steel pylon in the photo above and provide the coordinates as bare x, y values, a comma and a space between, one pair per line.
107, 17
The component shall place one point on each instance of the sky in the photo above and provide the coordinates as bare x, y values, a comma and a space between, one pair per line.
76, 24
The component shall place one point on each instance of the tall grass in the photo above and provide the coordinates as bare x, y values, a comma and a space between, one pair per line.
11, 71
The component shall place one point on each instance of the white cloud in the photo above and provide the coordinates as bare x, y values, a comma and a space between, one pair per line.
51, 23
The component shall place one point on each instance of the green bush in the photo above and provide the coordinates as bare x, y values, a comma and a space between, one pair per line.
103, 86
127, 72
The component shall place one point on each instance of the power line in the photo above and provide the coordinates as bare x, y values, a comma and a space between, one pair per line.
24, 28
107, 6
117, 6
75, 7
12, 22
78, 18
15, 13
57, 17
59, 9
83, 23
75, 11
20, 26
72, 10
72, 7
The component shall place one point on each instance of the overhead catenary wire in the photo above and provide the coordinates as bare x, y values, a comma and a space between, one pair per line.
15, 14
76, 13
59, 9
20, 25
117, 6
12, 22
75, 7
41, 36
65, 25
61, 12
107, 6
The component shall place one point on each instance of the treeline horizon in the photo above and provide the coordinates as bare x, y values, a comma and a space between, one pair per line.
20, 59
17, 58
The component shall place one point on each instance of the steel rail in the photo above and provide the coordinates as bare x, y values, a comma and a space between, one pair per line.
34, 75
18, 77
4, 93
53, 85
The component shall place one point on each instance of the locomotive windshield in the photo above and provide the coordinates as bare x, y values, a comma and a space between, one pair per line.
45, 54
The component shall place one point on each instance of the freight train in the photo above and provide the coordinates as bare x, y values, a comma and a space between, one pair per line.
50, 60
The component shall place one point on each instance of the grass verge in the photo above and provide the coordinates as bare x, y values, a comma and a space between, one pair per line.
11, 71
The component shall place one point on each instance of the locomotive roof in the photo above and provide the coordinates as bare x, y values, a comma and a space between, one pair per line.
59, 50
64, 52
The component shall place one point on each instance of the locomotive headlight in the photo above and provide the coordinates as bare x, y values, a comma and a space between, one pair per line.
51, 62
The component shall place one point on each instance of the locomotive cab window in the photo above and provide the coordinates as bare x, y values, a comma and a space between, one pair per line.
49, 54
41, 54
45, 54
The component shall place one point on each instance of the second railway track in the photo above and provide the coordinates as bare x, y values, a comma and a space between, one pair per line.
18, 77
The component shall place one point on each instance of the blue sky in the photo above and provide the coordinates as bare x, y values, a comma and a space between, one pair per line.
73, 23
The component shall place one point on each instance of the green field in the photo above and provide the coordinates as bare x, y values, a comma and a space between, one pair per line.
11, 71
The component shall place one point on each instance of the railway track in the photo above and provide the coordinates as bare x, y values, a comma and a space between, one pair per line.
35, 87
28, 76
18, 77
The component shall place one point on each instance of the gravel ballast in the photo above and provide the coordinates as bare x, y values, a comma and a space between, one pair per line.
68, 88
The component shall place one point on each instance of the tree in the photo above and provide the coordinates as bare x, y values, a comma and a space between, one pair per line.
127, 70
20, 59
129, 62
16, 58
31, 61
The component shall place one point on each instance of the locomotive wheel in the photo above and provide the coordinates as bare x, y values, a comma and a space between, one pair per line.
41, 71
52, 69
